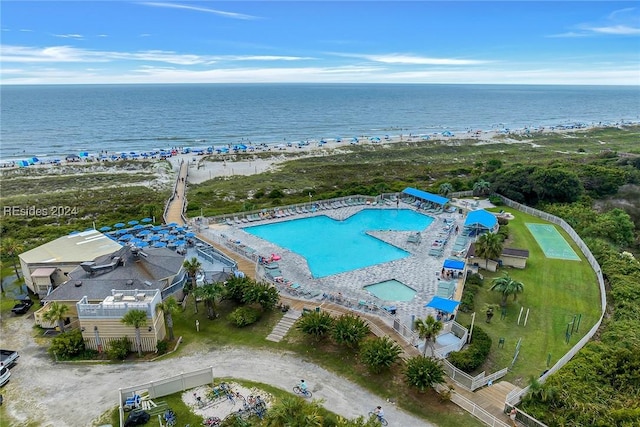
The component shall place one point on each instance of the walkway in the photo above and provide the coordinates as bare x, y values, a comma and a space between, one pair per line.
176, 202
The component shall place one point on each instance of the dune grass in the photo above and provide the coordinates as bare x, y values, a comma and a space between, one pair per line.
554, 292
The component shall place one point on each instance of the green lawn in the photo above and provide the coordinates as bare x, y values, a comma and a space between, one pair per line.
554, 292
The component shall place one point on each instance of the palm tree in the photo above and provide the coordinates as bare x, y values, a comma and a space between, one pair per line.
428, 329
481, 187
507, 286
209, 293
136, 318
169, 307
192, 266
57, 312
11, 247
445, 188
488, 246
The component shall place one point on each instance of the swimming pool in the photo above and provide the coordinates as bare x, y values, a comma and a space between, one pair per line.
391, 290
332, 247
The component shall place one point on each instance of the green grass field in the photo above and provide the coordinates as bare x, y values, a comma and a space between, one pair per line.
554, 292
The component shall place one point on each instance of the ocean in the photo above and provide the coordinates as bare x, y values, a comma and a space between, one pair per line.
54, 121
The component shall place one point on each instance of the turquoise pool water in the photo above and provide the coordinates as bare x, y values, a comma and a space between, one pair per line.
391, 290
332, 247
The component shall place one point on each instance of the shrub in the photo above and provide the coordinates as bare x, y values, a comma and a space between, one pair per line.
243, 316
423, 372
502, 221
475, 354
471, 287
67, 345
162, 346
118, 349
379, 353
495, 200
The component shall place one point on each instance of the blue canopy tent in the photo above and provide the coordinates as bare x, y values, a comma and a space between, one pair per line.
481, 220
443, 304
453, 264
423, 195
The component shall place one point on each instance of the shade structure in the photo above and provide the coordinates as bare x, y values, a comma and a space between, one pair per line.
144, 233
119, 224
159, 245
481, 220
142, 244
163, 231
190, 234
105, 228
133, 222
126, 237
180, 242
120, 231
426, 196
443, 304
155, 238
453, 264
146, 220
138, 227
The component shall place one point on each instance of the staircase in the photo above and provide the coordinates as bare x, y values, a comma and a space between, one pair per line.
284, 325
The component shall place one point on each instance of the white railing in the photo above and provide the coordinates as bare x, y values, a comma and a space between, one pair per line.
471, 407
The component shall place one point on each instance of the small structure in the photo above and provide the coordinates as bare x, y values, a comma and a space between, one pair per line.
510, 257
101, 323
426, 197
481, 221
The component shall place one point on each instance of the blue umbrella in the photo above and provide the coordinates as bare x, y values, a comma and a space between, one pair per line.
180, 242
172, 224
142, 244
180, 229
133, 222
190, 234
138, 227
159, 245
74, 232
126, 237
163, 231
171, 237
155, 238
105, 228
144, 233
119, 225
146, 220
135, 241
121, 231
156, 228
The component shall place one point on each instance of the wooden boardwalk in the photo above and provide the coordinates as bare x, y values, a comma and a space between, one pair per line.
176, 202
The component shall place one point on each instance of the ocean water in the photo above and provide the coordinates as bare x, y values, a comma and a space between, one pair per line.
59, 120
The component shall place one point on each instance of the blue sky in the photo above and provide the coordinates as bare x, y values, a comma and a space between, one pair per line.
519, 42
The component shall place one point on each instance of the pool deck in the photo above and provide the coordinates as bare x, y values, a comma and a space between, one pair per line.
419, 270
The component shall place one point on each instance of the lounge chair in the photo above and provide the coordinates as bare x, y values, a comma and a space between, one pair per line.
228, 221
414, 238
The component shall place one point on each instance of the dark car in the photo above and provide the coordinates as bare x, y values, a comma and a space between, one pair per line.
22, 306
137, 418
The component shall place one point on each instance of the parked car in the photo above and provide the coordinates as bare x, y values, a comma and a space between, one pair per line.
22, 306
136, 418
8, 358
5, 373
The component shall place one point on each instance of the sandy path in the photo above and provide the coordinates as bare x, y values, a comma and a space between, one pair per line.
60, 395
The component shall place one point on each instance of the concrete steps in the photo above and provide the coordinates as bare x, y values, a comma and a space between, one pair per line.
284, 325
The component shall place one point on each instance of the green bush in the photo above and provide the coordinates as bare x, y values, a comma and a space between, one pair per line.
118, 349
475, 354
495, 200
67, 345
162, 346
243, 316
471, 287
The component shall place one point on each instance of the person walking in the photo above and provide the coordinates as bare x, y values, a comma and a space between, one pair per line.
512, 416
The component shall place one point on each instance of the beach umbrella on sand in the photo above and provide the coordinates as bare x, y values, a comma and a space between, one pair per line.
146, 220
119, 225
133, 222
172, 224
159, 245
142, 244
155, 238
138, 227
156, 228
105, 228
144, 233
180, 242
126, 237
190, 234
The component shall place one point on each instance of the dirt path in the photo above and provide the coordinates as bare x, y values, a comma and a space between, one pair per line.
48, 394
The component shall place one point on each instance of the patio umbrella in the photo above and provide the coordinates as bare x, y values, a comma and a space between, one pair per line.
119, 225
126, 237
138, 227
190, 234
146, 220
144, 233
159, 245
155, 238
156, 228
133, 222
105, 228
163, 231
171, 237
142, 244
120, 231
180, 242
172, 224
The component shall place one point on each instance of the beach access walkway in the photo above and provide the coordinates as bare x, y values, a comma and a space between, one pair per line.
176, 203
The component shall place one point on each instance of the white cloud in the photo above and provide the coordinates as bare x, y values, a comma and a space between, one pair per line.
25, 30
222, 13
621, 22
70, 36
615, 29
399, 58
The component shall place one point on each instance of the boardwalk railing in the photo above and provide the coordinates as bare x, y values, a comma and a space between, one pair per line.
471, 407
